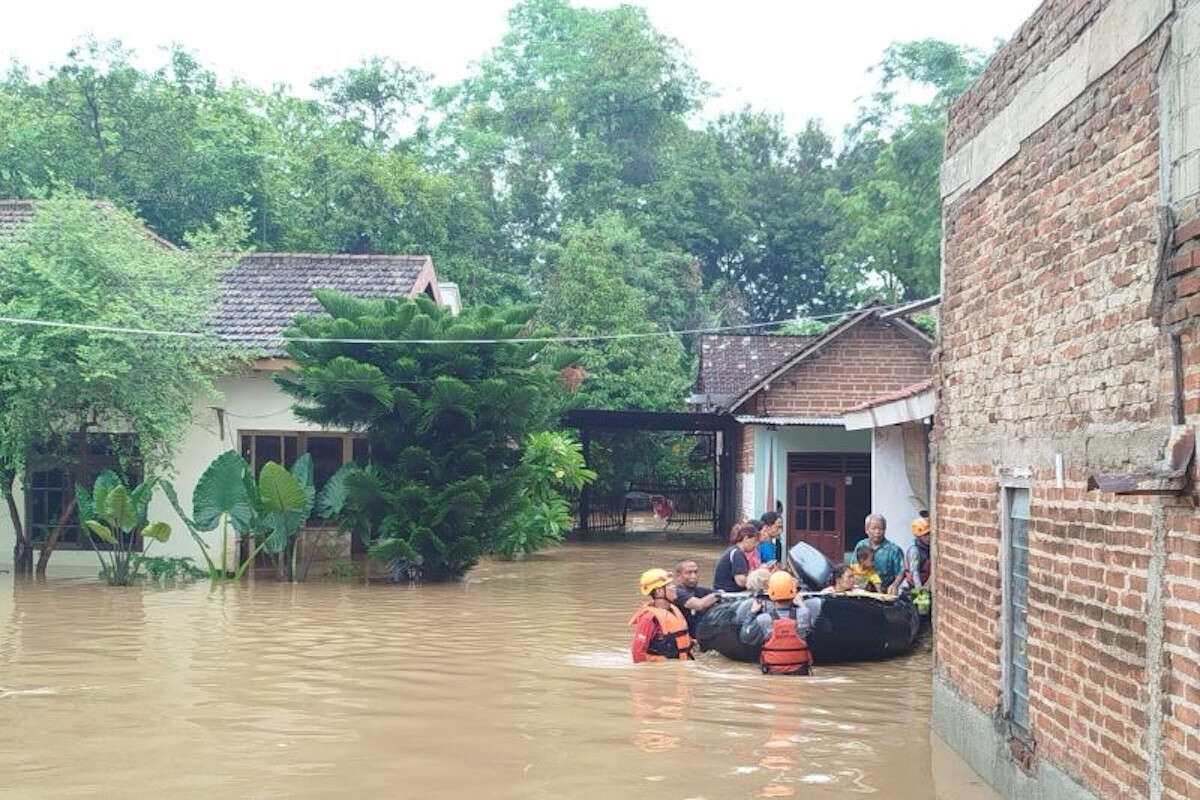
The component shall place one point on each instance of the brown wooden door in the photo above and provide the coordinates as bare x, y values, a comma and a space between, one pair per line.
817, 511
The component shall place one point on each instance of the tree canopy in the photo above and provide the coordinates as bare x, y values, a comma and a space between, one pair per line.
79, 261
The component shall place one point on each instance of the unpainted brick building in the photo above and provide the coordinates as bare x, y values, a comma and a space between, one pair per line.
1067, 618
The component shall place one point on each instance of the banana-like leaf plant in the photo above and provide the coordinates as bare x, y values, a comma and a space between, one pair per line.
117, 516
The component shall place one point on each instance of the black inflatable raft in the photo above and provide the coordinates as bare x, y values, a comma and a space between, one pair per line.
857, 626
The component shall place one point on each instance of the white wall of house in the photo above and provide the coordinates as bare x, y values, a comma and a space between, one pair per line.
890, 489
250, 402
774, 445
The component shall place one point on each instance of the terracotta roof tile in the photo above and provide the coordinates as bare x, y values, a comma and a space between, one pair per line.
731, 364
891, 397
14, 214
266, 291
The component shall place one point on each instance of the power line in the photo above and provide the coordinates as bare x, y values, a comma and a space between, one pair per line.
515, 340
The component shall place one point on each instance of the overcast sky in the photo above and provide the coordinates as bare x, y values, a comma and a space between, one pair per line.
804, 58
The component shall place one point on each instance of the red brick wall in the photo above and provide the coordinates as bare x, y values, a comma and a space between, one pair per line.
1049, 345
869, 360
745, 456
1181, 592
1045, 36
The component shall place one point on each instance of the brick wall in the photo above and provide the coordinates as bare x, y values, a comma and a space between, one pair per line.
1056, 341
869, 360
745, 454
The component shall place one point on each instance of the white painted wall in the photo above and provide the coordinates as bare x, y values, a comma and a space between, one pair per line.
251, 402
890, 489
797, 439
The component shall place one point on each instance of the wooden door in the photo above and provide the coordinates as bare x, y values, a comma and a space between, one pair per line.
817, 511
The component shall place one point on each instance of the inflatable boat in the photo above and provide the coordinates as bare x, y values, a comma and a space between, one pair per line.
854, 626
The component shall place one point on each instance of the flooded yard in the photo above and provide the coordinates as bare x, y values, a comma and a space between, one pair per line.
515, 683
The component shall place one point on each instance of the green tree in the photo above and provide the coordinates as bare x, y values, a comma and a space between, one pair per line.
444, 422
551, 466
569, 117
79, 261
590, 294
889, 201
171, 144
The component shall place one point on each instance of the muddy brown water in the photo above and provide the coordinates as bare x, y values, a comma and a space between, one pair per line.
515, 683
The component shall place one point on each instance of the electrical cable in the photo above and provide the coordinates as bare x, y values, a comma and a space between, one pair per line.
514, 340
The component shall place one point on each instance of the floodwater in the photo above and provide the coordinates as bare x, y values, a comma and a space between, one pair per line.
515, 683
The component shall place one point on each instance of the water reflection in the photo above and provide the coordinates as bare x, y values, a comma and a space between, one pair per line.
514, 683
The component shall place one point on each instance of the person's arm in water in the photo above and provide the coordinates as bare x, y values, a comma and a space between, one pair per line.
642, 635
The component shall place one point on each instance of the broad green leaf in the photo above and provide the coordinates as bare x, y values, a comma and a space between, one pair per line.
334, 493
169, 490
119, 509
158, 531
101, 530
84, 503
221, 490
280, 491
105, 482
302, 471
141, 498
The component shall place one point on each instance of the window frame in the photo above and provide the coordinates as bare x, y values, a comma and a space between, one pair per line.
348, 439
1009, 489
132, 471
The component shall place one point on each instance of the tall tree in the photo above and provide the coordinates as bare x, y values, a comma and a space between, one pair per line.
591, 292
77, 261
171, 143
445, 423
889, 202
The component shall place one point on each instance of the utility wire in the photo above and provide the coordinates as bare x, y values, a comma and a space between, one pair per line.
515, 340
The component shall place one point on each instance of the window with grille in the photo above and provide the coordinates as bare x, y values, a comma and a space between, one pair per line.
1016, 606
328, 451
52, 484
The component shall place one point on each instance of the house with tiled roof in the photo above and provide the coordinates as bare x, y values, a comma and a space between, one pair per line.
260, 297
832, 427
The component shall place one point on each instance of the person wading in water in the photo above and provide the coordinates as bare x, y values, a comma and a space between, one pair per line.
660, 630
781, 625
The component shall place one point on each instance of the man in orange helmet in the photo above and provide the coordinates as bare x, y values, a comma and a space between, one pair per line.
781, 624
660, 630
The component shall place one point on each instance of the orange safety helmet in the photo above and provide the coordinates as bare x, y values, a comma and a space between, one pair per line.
653, 579
781, 586
920, 526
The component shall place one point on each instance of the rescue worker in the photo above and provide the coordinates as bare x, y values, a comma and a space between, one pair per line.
781, 626
919, 563
660, 629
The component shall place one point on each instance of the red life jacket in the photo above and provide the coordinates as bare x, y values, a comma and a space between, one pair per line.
672, 640
785, 652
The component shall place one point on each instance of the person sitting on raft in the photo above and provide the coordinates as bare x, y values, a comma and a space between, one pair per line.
844, 580
920, 567
889, 558
660, 630
756, 581
768, 537
863, 570
752, 556
733, 566
781, 624
691, 598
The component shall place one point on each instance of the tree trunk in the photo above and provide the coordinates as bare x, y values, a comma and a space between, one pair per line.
22, 544
52, 540
72, 477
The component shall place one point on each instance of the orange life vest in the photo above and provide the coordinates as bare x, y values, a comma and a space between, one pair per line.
672, 640
786, 652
